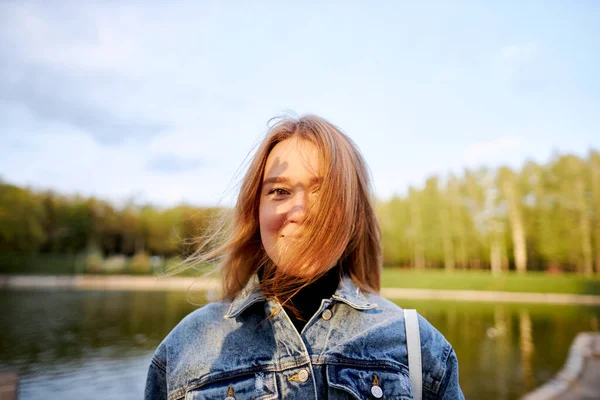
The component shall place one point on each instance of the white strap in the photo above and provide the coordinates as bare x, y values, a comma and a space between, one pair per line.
413, 343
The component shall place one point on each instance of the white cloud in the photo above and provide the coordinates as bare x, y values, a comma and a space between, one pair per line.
490, 151
520, 52
523, 66
91, 95
71, 162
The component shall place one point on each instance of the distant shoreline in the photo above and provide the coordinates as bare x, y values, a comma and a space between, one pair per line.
107, 282
153, 283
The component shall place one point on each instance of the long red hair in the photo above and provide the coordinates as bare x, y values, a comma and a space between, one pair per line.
340, 227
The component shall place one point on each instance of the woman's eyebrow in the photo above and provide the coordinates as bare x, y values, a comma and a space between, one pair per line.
276, 179
317, 180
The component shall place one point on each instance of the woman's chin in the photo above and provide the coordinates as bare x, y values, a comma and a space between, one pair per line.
295, 270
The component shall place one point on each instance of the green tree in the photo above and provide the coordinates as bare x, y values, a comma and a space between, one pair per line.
507, 181
21, 215
594, 162
416, 229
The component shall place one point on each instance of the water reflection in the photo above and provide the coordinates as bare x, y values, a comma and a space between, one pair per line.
55, 321
75, 344
501, 343
526, 347
506, 350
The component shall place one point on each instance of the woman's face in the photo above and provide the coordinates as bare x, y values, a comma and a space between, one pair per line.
290, 182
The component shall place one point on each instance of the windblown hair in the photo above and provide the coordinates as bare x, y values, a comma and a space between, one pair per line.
340, 227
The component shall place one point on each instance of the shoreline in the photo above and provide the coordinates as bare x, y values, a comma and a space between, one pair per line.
153, 283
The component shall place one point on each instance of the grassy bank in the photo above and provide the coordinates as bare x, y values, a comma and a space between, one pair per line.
73, 264
532, 282
41, 264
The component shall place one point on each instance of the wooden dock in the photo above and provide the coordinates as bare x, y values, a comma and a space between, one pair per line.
580, 377
8, 385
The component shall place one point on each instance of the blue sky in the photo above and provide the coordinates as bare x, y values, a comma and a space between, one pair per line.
162, 101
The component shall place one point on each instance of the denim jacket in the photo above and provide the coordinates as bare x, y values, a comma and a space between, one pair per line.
354, 347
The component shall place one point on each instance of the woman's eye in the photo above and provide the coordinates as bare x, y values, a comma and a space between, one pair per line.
279, 192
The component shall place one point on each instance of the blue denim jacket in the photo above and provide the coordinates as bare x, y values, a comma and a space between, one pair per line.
230, 350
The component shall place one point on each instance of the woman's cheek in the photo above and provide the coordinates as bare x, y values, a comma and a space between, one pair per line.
271, 220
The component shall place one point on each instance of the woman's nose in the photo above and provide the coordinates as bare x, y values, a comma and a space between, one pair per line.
297, 211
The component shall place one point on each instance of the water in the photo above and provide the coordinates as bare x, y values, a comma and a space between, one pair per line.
87, 344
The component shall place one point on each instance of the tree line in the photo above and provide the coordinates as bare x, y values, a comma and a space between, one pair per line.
540, 217
47, 222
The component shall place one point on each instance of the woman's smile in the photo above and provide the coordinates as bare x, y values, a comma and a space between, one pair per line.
290, 182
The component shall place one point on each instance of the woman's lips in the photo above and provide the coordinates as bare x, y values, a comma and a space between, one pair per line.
289, 236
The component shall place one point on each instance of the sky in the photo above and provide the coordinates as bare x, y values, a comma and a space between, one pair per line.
164, 102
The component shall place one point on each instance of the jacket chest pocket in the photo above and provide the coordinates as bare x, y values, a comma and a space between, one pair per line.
259, 386
349, 382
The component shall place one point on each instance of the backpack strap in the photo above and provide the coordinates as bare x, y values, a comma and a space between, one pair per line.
413, 343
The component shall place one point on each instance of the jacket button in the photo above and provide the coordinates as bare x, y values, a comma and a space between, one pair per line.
376, 392
303, 375
327, 314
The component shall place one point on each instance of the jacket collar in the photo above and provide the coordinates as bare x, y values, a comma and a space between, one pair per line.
249, 295
347, 292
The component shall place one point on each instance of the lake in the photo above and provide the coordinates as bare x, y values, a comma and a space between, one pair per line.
68, 344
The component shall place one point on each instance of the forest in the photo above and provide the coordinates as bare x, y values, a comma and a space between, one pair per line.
542, 217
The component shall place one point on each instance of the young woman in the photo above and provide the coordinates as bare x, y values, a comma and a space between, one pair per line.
301, 318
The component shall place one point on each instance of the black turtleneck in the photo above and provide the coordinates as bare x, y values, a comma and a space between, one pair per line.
308, 300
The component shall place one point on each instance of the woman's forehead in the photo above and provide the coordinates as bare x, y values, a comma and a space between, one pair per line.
293, 158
